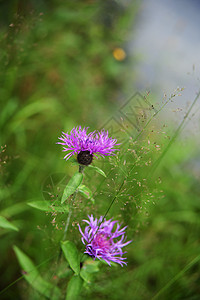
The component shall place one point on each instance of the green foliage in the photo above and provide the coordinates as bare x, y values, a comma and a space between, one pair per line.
71, 254
57, 65
98, 170
72, 186
4, 223
88, 269
74, 288
86, 192
48, 206
34, 278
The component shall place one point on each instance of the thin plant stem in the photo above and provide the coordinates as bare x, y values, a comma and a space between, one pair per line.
175, 278
69, 215
81, 170
23, 276
112, 201
138, 135
152, 117
177, 132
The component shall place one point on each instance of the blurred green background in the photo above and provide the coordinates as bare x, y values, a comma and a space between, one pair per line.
65, 64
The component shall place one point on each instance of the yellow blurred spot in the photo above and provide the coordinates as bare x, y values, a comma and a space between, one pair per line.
119, 54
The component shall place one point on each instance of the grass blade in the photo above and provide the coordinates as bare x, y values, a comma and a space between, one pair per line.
4, 223
33, 277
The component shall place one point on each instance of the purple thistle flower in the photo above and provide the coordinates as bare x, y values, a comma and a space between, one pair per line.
101, 242
85, 145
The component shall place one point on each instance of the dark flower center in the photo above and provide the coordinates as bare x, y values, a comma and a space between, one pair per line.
84, 158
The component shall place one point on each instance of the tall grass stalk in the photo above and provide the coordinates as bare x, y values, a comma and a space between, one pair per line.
174, 137
177, 277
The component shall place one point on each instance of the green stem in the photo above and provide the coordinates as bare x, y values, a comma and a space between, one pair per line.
69, 215
177, 132
152, 117
177, 276
81, 170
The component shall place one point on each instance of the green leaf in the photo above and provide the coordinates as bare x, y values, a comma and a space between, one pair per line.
49, 206
14, 210
72, 185
86, 192
89, 267
71, 254
74, 288
33, 277
4, 223
87, 277
98, 170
